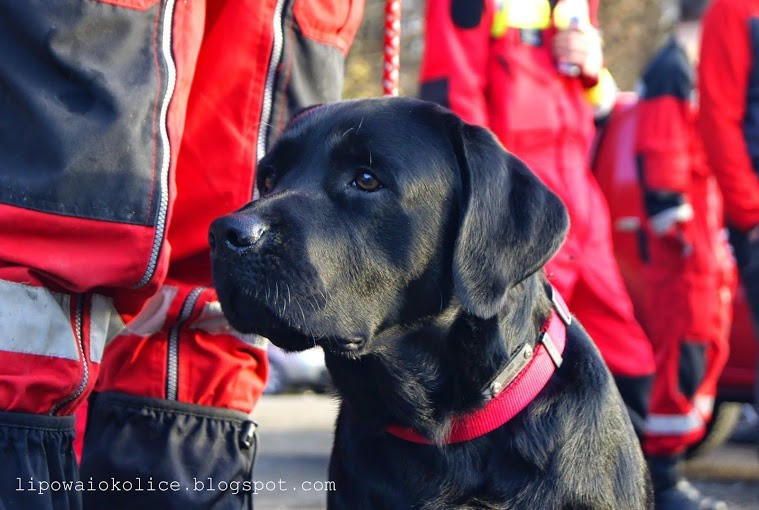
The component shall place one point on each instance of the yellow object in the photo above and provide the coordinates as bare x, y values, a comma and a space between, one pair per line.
525, 14
571, 13
604, 93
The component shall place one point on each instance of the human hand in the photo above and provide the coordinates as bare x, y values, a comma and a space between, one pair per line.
579, 47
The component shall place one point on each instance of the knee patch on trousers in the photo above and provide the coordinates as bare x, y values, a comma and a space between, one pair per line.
691, 367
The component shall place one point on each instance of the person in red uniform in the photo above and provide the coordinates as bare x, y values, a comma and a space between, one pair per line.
689, 269
126, 127
729, 126
508, 66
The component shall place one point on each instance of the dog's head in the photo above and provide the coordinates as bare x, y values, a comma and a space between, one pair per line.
377, 214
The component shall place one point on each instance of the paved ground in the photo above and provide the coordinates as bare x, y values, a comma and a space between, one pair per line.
296, 437
730, 473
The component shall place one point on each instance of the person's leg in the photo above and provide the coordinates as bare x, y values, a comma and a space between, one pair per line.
51, 345
107, 133
172, 407
690, 336
177, 386
690, 282
690, 310
85, 187
602, 305
746, 249
39, 469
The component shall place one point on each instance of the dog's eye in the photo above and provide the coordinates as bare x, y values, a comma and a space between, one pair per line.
268, 181
366, 181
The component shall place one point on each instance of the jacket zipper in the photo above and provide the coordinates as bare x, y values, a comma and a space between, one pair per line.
276, 55
163, 205
172, 358
78, 320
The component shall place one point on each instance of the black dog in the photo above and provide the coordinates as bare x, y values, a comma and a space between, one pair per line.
410, 246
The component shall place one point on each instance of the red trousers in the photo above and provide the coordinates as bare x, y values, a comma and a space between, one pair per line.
690, 282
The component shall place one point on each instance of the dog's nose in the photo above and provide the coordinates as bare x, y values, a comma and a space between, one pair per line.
236, 232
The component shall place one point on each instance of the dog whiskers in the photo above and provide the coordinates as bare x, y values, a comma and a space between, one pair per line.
302, 313
286, 301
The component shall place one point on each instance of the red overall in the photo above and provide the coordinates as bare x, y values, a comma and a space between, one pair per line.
126, 127
509, 83
690, 273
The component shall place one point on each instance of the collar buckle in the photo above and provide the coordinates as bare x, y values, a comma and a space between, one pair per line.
551, 349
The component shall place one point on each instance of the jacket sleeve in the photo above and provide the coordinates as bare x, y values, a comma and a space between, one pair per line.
593, 12
723, 77
454, 66
662, 136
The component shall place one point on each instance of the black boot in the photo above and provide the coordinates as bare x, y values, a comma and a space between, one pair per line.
672, 491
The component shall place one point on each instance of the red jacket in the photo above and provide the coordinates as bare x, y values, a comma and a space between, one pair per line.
671, 158
126, 127
154, 121
729, 111
509, 83
666, 137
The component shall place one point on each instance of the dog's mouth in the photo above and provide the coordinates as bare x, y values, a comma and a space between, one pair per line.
244, 313
249, 311
287, 310
348, 347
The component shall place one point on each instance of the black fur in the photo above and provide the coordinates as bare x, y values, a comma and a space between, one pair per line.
419, 292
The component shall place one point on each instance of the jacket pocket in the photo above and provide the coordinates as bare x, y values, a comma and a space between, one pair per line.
333, 22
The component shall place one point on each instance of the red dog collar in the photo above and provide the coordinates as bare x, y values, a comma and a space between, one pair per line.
519, 390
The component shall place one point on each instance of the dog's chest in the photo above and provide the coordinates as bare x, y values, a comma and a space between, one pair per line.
386, 472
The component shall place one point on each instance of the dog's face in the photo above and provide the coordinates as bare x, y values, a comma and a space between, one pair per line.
376, 214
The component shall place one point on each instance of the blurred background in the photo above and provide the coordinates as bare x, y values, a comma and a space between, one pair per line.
633, 30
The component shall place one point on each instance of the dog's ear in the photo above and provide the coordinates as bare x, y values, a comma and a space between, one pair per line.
511, 223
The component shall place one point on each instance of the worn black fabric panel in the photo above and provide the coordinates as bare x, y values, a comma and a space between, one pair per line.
467, 13
751, 120
36, 457
435, 91
636, 393
669, 74
193, 447
691, 367
310, 73
79, 87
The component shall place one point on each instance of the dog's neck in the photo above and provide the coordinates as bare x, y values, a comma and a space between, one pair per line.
442, 366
